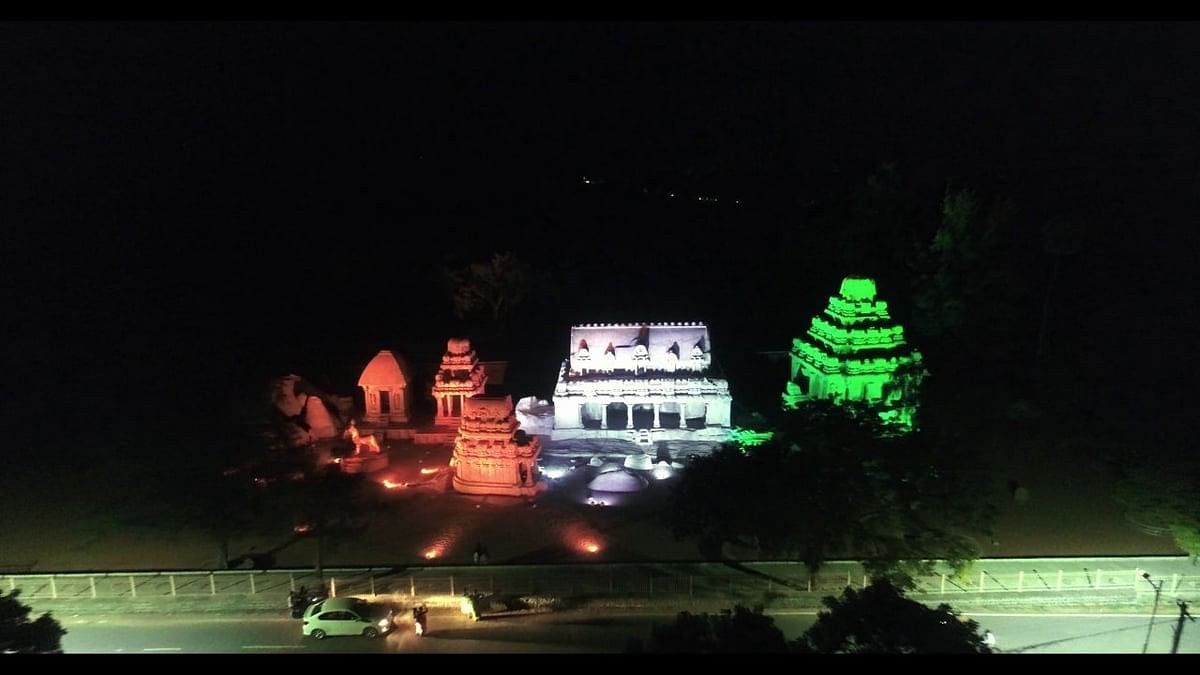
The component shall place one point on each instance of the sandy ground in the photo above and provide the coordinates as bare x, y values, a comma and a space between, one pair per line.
48, 525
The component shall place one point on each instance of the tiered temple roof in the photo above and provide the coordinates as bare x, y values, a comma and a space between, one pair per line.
853, 351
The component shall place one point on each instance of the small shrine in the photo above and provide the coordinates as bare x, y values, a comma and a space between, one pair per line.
383, 383
853, 351
459, 377
492, 456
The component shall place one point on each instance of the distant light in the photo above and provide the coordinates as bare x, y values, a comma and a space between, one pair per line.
662, 472
554, 472
429, 470
391, 485
431, 554
671, 194
591, 547
737, 201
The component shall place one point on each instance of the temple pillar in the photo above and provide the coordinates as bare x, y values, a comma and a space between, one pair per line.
657, 424
603, 415
628, 415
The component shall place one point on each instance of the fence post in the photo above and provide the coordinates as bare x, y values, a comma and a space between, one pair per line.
12, 583
172, 578
372, 585
810, 583
1174, 582
253, 590
54, 587
332, 586
1060, 580
849, 582
412, 586
864, 581
212, 584
292, 581
451, 584
981, 573
943, 584
93, 583
132, 587
1020, 581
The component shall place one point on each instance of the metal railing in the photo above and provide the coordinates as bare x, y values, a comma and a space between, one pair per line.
772, 579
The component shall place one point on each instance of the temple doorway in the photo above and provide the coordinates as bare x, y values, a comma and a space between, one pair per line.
591, 415
618, 416
643, 416
385, 401
695, 415
456, 406
668, 416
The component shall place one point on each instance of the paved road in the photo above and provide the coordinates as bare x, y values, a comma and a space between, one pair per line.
586, 632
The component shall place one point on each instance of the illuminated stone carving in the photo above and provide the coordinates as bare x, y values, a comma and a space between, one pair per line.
854, 352
383, 383
621, 378
491, 455
458, 378
361, 441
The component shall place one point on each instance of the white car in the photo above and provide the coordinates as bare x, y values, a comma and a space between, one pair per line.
346, 616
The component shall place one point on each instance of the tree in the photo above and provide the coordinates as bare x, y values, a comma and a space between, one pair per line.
736, 631
880, 620
494, 287
1163, 493
19, 635
834, 481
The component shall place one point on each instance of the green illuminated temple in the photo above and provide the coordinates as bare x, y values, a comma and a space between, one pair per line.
854, 352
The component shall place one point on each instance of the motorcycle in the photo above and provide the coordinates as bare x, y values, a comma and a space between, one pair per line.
420, 618
300, 599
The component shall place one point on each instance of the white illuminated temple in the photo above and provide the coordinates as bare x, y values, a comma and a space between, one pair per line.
621, 379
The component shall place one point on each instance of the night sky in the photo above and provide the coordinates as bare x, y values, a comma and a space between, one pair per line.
187, 207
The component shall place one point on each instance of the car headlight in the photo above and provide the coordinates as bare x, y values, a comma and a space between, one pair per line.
384, 623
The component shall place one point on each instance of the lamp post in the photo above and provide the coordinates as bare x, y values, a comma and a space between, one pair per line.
1154, 612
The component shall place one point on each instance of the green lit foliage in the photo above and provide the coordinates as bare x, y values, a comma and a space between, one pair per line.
19, 635
749, 438
834, 482
493, 288
880, 620
736, 631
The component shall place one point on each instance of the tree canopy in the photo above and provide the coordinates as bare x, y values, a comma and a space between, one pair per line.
834, 481
493, 287
736, 631
19, 635
880, 620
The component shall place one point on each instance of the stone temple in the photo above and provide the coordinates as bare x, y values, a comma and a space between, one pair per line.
853, 351
459, 377
384, 383
626, 381
491, 455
